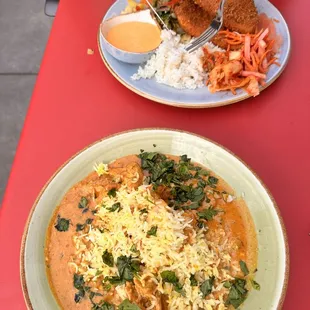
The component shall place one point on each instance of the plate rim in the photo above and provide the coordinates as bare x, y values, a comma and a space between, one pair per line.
275, 206
187, 105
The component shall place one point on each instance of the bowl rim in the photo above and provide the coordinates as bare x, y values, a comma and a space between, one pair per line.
145, 129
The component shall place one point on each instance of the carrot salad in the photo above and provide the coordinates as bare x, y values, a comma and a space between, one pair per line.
244, 64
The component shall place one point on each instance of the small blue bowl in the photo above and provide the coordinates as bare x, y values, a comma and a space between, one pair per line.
124, 56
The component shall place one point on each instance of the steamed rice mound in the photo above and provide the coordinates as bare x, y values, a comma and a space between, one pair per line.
172, 65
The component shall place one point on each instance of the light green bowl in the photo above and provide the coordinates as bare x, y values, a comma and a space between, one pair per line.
273, 259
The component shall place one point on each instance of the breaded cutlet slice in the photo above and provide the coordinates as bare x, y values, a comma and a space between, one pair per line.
191, 17
239, 15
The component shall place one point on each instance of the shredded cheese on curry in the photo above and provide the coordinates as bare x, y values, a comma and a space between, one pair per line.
151, 232
119, 231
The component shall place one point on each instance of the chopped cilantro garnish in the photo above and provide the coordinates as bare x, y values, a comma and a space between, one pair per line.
206, 287
208, 214
62, 224
227, 284
255, 285
193, 206
185, 159
237, 294
114, 280
244, 267
115, 207
127, 267
112, 192
197, 194
79, 295
134, 249
127, 305
200, 224
179, 288
78, 283
88, 221
202, 183
98, 273
83, 203
93, 294
203, 173
170, 277
185, 193
102, 306
171, 174
212, 181
107, 258
193, 280
150, 201
152, 231
107, 287
80, 227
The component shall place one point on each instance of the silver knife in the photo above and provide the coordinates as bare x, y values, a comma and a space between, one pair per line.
154, 11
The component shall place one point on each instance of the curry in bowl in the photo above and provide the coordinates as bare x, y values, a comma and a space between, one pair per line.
151, 231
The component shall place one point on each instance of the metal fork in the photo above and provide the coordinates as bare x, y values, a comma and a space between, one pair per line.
154, 11
211, 31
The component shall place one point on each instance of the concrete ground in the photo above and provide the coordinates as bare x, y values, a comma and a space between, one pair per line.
24, 31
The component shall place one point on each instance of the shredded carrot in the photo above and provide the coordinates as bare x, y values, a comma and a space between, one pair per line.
234, 42
247, 47
255, 74
254, 62
262, 69
272, 61
233, 90
248, 64
257, 36
256, 56
270, 45
264, 55
261, 37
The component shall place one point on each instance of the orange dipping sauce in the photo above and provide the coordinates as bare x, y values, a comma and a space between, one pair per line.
135, 37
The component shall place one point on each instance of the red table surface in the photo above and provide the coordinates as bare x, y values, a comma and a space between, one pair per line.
77, 101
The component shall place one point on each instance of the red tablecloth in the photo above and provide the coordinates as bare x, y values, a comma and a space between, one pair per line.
77, 101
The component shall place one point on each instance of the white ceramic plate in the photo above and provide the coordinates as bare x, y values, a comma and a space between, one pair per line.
273, 250
198, 98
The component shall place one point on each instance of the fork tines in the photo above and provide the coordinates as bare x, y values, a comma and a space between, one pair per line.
208, 34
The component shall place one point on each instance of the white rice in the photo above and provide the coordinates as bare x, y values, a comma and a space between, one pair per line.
172, 65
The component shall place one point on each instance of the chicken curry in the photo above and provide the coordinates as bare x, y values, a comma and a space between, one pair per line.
151, 231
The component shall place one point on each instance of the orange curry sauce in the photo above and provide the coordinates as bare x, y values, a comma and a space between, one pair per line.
232, 229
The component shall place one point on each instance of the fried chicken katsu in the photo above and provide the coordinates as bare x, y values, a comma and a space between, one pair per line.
239, 15
191, 17
195, 16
